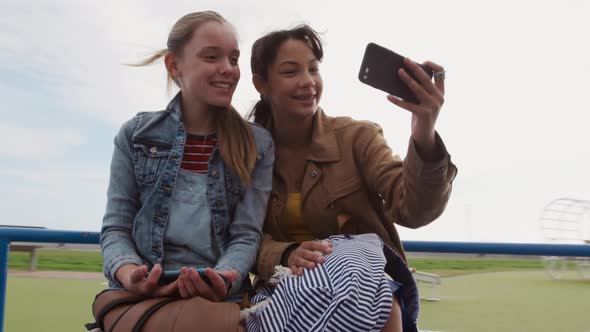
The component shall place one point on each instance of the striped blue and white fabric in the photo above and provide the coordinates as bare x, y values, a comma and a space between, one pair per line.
349, 292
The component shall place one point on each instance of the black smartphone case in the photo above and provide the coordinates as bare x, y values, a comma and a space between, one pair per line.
379, 69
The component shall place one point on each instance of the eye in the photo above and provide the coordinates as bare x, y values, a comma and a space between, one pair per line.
288, 72
234, 60
314, 70
210, 57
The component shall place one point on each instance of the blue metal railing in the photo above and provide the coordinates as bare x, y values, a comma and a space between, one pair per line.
9, 234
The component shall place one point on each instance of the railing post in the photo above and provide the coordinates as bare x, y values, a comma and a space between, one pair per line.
4, 247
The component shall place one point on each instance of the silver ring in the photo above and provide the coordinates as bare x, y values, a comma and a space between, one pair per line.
439, 75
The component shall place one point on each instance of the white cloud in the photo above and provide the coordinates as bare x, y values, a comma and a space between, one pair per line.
36, 144
57, 175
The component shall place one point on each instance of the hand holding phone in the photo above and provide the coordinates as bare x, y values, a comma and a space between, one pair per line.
379, 69
170, 276
138, 280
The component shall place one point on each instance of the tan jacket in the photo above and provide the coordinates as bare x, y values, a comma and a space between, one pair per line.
351, 171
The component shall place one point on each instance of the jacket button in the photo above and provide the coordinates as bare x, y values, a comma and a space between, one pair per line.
314, 173
218, 204
154, 149
214, 173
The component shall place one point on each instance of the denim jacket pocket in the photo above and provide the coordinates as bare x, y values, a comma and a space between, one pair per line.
233, 184
235, 190
150, 158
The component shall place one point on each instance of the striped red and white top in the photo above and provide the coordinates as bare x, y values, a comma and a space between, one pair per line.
197, 152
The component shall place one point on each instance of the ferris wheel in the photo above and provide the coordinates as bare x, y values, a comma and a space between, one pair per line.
566, 221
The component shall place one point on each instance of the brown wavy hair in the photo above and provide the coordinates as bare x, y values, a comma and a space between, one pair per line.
264, 53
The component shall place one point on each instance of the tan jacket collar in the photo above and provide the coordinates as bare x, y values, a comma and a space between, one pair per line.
324, 145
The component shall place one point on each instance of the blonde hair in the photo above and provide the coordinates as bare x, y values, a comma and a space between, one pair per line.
236, 143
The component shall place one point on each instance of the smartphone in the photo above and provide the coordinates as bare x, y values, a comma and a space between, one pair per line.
379, 69
168, 277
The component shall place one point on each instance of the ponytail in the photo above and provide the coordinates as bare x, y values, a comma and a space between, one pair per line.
151, 60
236, 143
262, 114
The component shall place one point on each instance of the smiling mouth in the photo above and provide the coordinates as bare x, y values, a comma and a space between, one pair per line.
305, 97
222, 85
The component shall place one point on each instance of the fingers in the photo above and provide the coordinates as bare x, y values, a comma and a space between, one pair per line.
203, 288
168, 290
416, 88
425, 90
439, 83
308, 255
150, 285
182, 288
187, 283
325, 247
308, 262
430, 97
142, 285
191, 283
423, 80
219, 286
231, 275
297, 270
138, 274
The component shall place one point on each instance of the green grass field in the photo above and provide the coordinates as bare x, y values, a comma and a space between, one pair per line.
508, 301
475, 295
58, 260
49, 305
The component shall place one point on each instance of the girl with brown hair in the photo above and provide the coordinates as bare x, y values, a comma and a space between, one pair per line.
335, 175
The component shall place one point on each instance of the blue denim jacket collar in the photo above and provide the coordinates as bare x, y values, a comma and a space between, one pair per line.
175, 106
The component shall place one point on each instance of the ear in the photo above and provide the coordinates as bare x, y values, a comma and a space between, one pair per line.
172, 65
260, 84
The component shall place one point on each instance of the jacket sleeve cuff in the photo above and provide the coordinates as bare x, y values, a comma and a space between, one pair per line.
111, 272
287, 252
430, 171
270, 256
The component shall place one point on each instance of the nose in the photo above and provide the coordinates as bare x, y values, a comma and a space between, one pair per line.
307, 80
225, 67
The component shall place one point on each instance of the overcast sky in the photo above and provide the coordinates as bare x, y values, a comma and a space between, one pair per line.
515, 118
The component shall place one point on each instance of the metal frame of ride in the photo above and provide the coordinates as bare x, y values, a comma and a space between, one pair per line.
566, 221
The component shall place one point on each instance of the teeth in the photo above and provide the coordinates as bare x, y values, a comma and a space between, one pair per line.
304, 97
221, 85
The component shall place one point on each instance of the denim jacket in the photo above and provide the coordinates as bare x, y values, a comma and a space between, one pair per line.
146, 160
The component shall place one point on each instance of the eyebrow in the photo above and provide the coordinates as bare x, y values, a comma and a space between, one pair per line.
216, 48
292, 62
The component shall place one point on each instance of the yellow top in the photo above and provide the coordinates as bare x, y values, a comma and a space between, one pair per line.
292, 219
